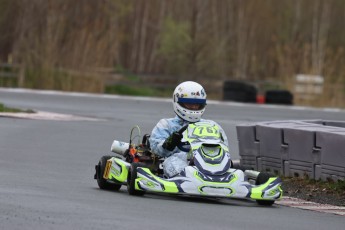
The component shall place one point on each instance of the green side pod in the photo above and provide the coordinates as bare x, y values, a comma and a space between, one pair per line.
120, 175
258, 191
169, 187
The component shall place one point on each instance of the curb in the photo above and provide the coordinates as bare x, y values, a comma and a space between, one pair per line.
312, 206
39, 115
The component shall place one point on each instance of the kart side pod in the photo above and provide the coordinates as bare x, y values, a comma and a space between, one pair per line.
116, 170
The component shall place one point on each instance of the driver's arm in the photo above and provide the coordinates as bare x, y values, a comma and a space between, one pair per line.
159, 134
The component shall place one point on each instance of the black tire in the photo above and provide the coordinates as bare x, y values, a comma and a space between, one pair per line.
262, 178
239, 91
132, 175
283, 97
103, 183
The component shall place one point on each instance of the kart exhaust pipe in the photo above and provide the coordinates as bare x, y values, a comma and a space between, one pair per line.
107, 169
251, 174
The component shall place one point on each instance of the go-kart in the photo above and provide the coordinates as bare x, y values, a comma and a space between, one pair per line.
209, 173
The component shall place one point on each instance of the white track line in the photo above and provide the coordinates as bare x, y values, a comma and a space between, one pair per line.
39, 115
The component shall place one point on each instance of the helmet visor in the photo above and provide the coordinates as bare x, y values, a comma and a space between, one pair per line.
192, 103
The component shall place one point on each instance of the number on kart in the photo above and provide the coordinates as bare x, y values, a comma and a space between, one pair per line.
202, 131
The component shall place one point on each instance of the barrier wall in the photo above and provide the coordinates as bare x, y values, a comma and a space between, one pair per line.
312, 148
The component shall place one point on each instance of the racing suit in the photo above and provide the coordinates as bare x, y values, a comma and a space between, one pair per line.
176, 160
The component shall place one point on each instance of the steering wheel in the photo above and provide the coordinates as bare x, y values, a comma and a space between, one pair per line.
181, 145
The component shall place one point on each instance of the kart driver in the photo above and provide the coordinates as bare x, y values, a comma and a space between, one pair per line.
189, 102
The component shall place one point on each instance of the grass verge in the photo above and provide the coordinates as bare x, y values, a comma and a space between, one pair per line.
4, 109
334, 187
325, 192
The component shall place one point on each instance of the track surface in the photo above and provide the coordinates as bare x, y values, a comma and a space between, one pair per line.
47, 168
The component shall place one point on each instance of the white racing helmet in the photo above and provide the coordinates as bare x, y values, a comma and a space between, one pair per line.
189, 93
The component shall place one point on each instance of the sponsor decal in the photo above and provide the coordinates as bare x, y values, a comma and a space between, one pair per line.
195, 93
121, 143
149, 184
116, 172
180, 113
273, 192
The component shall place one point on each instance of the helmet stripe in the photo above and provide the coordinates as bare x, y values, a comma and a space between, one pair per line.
191, 100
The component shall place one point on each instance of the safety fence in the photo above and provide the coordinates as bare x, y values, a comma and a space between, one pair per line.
309, 148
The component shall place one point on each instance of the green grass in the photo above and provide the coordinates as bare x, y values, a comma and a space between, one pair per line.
4, 109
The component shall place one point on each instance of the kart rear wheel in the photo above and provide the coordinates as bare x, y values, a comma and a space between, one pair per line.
103, 183
262, 178
132, 175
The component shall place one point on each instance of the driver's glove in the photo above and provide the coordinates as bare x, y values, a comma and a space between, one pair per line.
172, 141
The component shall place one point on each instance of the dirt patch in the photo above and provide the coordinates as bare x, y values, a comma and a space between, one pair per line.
310, 190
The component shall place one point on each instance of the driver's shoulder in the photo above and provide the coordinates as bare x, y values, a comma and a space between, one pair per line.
168, 123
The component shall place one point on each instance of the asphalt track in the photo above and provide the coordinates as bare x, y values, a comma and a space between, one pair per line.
47, 167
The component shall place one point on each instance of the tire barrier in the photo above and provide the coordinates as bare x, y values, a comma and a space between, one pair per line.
239, 91
313, 148
283, 97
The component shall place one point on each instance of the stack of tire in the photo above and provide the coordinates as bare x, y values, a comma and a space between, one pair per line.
239, 91
282, 97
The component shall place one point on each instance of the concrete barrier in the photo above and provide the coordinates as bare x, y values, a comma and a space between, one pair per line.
311, 148
249, 145
332, 149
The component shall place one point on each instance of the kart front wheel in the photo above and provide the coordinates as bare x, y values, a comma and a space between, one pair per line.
103, 183
262, 178
132, 175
